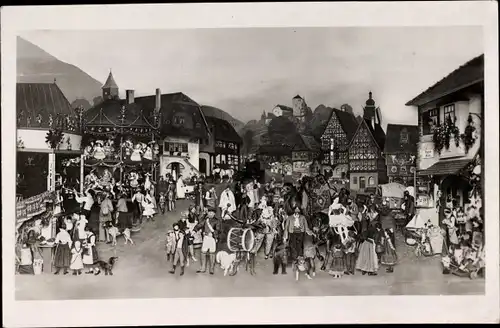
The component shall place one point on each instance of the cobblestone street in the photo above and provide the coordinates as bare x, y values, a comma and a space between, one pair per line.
142, 272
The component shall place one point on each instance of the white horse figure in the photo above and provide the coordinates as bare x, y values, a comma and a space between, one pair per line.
227, 172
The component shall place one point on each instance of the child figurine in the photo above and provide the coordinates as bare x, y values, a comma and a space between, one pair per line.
337, 267
99, 150
389, 257
76, 258
137, 153
350, 253
148, 206
162, 202
170, 245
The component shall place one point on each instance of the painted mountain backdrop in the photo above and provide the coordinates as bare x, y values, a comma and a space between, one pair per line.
37, 66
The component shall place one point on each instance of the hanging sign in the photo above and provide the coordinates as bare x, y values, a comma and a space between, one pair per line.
32, 206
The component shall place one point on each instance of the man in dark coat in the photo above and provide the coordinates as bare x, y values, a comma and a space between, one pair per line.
181, 249
409, 206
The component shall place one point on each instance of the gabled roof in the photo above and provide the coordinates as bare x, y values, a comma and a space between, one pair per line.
347, 121
377, 133
110, 82
306, 143
173, 103
285, 108
36, 101
223, 130
297, 97
393, 144
466, 75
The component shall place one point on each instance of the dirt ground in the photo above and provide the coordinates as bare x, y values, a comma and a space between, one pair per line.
142, 272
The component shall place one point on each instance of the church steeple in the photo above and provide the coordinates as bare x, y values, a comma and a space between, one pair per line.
110, 88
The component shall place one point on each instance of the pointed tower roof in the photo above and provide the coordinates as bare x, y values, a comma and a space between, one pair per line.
370, 101
110, 82
297, 97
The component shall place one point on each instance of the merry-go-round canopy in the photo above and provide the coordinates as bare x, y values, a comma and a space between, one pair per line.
116, 116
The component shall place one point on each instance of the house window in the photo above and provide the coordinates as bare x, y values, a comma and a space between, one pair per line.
449, 111
355, 180
178, 120
219, 144
430, 120
371, 181
176, 147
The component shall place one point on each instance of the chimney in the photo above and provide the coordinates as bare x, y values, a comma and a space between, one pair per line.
158, 99
129, 96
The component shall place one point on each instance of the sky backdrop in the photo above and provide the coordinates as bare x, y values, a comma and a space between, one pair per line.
245, 71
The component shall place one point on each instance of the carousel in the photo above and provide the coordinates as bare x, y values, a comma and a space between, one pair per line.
120, 146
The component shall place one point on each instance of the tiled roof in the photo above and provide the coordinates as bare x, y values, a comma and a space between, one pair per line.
445, 167
393, 144
223, 130
40, 100
173, 103
307, 143
466, 75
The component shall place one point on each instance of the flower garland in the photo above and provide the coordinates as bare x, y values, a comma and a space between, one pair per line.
443, 133
54, 138
468, 137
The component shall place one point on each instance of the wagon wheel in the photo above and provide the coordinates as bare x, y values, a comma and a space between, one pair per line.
473, 275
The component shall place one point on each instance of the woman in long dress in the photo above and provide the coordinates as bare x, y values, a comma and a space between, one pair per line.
90, 255
62, 254
181, 194
367, 261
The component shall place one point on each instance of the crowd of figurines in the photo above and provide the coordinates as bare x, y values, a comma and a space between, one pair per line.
58, 121
102, 150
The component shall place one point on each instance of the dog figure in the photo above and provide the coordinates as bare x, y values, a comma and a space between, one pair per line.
301, 264
127, 235
112, 231
107, 267
226, 261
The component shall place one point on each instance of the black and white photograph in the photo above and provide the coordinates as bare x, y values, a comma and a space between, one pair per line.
236, 163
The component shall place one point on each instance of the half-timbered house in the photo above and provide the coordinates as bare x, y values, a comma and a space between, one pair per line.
335, 141
305, 150
400, 152
367, 168
227, 146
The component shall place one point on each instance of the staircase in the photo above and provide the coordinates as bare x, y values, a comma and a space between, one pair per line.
189, 169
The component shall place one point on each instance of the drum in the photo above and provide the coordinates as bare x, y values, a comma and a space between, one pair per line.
239, 239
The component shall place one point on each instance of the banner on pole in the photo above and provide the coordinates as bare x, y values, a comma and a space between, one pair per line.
28, 208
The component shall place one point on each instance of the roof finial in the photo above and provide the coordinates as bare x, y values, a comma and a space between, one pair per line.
370, 95
55, 80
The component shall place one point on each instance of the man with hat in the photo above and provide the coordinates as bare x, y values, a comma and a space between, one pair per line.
294, 229
210, 227
200, 196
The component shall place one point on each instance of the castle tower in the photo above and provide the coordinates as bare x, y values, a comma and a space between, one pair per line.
371, 112
299, 108
110, 88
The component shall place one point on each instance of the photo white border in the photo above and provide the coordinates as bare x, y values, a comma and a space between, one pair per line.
345, 309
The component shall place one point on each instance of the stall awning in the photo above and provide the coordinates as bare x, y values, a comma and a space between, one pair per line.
445, 167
